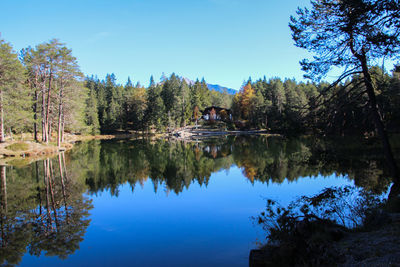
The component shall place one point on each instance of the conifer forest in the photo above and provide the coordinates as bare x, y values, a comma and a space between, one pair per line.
43, 91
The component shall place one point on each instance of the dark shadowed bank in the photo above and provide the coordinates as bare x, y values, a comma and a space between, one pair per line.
343, 226
327, 229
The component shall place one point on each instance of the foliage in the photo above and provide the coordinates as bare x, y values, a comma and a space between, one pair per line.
54, 79
266, 160
302, 232
338, 32
349, 34
172, 103
292, 107
42, 225
91, 115
14, 96
43, 211
53, 96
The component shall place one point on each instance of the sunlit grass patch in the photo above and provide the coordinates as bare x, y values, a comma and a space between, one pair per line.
18, 146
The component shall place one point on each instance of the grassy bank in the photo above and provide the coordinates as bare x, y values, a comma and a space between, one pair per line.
22, 148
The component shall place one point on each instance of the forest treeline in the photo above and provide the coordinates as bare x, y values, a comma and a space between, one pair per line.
171, 103
291, 107
43, 92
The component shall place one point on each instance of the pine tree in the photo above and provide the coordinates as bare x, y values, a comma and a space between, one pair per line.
92, 118
13, 94
155, 108
349, 35
195, 95
185, 103
66, 74
55, 81
152, 83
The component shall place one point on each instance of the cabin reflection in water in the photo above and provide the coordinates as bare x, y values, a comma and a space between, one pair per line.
45, 205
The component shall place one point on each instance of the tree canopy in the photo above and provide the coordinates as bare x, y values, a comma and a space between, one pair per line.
14, 98
351, 34
340, 32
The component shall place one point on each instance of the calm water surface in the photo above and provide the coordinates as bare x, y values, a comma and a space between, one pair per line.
141, 203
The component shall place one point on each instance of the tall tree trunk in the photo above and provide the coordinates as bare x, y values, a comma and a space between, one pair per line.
35, 99
59, 132
380, 127
49, 131
46, 165
65, 167
62, 128
43, 113
38, 188
48, 107
3, 178
53, 202
60, 165
2, 139
3, 209
60, 112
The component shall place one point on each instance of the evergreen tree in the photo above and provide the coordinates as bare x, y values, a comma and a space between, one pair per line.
136, 102
92, 118
155, 108
184, 103
171, 97
152, 83
349, 34
68, 78
14, 99
195, 95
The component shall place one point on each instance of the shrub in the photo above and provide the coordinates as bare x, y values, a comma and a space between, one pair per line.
302, 232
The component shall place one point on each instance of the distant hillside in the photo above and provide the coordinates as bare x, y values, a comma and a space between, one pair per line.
214, 87
221, 89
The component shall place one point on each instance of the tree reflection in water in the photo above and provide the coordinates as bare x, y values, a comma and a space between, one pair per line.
176, 165
303, 232
43, 210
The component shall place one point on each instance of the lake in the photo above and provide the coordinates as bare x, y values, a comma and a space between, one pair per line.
159, 203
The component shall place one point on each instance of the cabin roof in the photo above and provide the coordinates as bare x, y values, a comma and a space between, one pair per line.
217, 109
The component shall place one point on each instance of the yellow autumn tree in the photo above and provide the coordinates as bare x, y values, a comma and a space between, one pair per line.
246, 95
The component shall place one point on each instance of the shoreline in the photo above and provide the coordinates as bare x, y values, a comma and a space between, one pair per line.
195, 133
356, 247
33, 150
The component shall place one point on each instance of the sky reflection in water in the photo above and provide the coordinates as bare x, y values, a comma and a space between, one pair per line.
202, 226
195, 225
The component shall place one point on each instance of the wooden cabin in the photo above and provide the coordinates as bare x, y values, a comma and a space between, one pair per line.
217, 113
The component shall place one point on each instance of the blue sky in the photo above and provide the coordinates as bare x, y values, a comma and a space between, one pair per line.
224, 41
